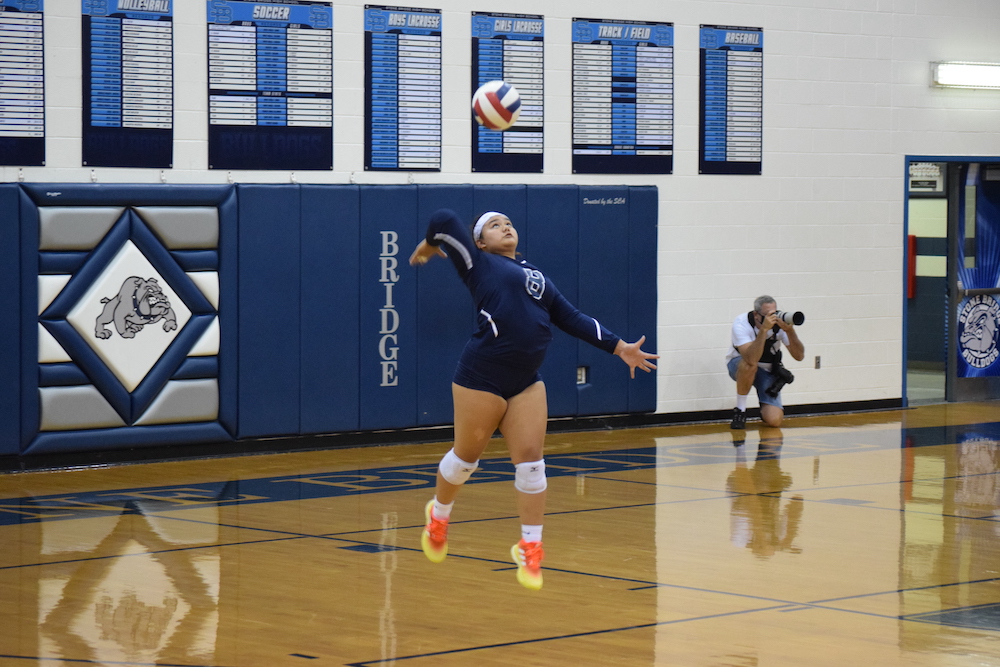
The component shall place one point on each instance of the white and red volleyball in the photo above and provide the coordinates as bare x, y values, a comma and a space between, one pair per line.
496, 105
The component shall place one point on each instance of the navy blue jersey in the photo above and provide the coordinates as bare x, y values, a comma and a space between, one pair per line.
515, 301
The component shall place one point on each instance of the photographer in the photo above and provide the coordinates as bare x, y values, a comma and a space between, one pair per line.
755, 360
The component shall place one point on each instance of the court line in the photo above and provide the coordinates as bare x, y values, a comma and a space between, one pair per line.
782, 606
645, 585
104, 662
574, 635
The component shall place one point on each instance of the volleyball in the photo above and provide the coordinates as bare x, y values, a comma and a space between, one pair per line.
496, 105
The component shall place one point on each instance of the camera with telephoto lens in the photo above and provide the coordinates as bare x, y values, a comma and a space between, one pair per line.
795, 318
782, 376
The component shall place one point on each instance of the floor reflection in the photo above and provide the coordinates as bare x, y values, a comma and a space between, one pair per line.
129, 588
951, 534
761, 520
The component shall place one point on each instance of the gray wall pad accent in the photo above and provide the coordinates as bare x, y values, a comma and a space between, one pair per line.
74, 228
183, 227
183, 401
66, 408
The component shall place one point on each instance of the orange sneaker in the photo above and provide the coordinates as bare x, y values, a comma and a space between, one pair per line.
434, 539
528, 557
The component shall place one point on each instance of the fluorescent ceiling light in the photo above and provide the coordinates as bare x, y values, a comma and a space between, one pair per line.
966, 75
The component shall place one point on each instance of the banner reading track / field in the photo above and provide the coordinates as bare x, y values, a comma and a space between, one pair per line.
623, 97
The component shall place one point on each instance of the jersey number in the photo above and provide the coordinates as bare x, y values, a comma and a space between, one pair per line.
534, 283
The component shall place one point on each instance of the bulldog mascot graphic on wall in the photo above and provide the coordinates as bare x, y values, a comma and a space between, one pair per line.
139, 302
977, 323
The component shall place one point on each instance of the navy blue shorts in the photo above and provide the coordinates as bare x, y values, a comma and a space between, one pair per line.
502, 380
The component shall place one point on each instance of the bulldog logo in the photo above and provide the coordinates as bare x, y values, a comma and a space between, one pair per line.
977, 331
138, 303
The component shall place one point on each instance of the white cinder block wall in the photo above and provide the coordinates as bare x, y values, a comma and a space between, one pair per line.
846, 98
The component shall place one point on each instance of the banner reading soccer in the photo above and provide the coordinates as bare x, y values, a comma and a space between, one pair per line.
270, 85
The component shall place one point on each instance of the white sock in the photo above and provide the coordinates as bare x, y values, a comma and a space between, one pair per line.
531, 533
440, 510
741, 402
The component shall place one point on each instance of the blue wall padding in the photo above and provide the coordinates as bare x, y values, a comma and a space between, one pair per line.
10, 319
552, 227
60, 262
445, 314
388, 386
330, 303
165, 368
162, 260
642, 290
27, 260
81, 281
61, 375
114, 194
196, 260
305, 314
196, 368
228, 312
269, 282
129, 437
91, 364
604, 262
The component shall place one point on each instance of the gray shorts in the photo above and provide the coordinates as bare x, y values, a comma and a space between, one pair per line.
763, 380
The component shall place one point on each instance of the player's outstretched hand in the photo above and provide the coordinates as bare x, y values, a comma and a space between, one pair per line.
423, 252
633, 355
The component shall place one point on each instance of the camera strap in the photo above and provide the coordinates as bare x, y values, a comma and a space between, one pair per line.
772, 348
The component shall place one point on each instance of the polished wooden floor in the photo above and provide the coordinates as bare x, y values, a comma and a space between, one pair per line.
868, 539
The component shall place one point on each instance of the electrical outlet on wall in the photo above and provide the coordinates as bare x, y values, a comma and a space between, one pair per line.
817, 361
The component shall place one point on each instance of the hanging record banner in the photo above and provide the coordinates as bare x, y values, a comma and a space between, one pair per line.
402, 89
270, 85
623, 97
128, 83
732, 94
22, 83
510, 47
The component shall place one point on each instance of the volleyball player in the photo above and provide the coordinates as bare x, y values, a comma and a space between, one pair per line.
497, 384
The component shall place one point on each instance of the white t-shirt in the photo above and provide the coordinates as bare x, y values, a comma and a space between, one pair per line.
743, 333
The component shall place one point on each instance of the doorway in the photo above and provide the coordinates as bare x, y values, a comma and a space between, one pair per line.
951, 314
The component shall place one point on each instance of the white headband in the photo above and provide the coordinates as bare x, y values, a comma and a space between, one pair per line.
483, 219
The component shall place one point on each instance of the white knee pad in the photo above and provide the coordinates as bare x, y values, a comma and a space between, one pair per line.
455, 470
530, 477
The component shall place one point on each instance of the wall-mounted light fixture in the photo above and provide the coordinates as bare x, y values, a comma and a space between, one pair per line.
966, 75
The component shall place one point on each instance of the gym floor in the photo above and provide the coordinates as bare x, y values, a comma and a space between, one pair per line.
845, 539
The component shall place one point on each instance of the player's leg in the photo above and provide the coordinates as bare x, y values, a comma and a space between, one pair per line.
477, 415
523, 427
